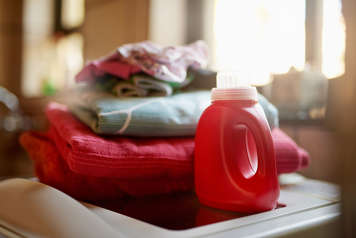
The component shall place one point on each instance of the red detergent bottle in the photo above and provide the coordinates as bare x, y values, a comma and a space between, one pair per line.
235, 165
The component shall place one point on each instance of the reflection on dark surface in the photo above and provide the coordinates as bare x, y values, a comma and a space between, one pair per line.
176, 211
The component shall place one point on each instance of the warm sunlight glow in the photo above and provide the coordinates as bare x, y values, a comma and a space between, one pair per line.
333, 39
259, 37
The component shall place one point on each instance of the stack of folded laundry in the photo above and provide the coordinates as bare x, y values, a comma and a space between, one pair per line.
130, 131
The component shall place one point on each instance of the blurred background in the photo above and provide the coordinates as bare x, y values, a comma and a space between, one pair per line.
294, 51
300, 54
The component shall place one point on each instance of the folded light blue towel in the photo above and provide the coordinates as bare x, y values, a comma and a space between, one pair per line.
175, 115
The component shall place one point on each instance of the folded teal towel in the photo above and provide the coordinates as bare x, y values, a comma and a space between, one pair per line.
175, 115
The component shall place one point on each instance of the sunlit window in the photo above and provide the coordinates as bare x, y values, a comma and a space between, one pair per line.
268, 37
333, 39
51, 57
72, 13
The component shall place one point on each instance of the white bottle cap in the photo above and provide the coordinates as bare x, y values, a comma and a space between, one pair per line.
233, 86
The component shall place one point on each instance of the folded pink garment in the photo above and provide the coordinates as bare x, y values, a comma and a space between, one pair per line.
289, 156
118, 157
107, 65
165, 63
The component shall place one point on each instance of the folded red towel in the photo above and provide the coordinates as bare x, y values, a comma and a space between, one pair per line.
51, 169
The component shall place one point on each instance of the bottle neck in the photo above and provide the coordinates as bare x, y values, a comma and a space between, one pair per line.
239, 103
239, 94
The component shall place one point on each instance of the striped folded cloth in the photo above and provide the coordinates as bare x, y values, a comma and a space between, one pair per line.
172, 116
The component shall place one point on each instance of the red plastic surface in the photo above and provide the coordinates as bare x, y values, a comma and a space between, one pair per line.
235, 165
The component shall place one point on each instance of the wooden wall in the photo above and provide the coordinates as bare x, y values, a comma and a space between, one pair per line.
11, 44
110, 23
346, 123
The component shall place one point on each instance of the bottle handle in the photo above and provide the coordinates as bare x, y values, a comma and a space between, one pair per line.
239, 170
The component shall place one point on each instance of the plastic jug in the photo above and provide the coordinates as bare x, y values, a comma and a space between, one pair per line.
235, 165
